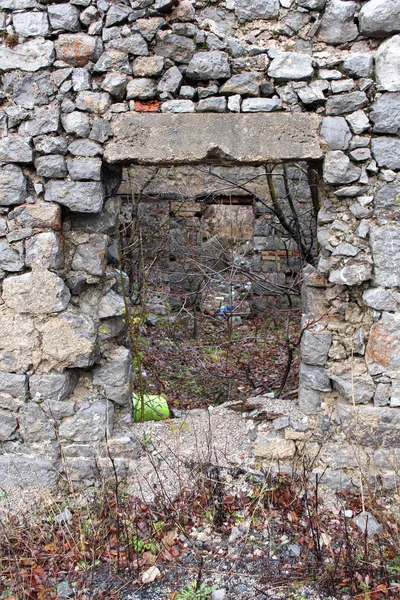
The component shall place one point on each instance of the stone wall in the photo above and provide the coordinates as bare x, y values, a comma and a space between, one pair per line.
75, 74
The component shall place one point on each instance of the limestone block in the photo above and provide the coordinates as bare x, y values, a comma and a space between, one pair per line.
93, 102
315, 347
78, 49
27, 470
78, 196
44, 119
51, 166
19, 341
309, 400
64, 17
91, 423
387, 64
45, 250
189, 138
39, 215
337, 26
117, 13
12, 185
115, 376
115, 84
345, 103
380, 298
315, 378
385, 114
291, 66
358, 64
52, 386
386, 152
69, 340
375, 426
257, 105
10, 259
8, 424
111, 305
77, 123
382, 394
249, 10
246, 84
15, 149
170, 81
47, 144
37, 292
13, 384
34, 424
274, 448
385, 246
141, 88
351, 273
379, 18
209, 65
354, 388
90, 257
177, 47
383, 348
30, 56
31, 24
84, 168
338, 169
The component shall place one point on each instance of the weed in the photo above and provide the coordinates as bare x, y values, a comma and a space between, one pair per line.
194, 592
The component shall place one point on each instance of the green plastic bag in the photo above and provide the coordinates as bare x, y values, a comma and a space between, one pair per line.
155, 408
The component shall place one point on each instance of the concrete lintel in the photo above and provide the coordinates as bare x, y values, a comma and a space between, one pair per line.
253, 139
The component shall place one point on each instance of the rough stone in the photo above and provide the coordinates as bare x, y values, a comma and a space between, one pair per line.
93, 102
358, 64
52, 386
85, 148
382, 352
51, 166
354, 388
78, 49
111, 305
380, 299
27, 471
170, 81
90, 257
141, 88
148, 66
386, 152
13, 188
387, 65
352, 273
367, 523
312, 4
47, 144
34, 425
246, 84
8, 425
69, 340
81, 169
64, 17
34, 89
114, 376
77, 123
77, 196
338, 169
13, 384
273, 448
178, 106
45, 250
31, 24
178, 48
162, 139
382, 394
315, 347
358, 121
117, 13
336, 133
337, 25
38, 215
91, 423
37, 292
209, 65
315, 378
345, 103
249, 10
45, 119
30, 56
291, 66
385, 114
10, 259
379, 18
259, 105
15, 149
115, 84
212, 104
